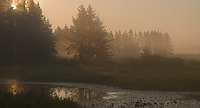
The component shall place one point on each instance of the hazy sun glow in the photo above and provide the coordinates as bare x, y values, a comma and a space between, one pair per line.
14, 6
179, 18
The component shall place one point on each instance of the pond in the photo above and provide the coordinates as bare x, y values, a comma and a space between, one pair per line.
99, 96
54, 89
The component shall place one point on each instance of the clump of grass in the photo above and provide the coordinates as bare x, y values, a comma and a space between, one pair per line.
158, 60
30, 99
194, 62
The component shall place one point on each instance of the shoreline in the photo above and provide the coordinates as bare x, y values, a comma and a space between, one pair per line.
117, 97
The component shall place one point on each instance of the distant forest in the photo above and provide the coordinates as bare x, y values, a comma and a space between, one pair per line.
26, 37
87, 39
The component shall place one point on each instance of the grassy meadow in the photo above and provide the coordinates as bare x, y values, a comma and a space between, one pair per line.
129, 74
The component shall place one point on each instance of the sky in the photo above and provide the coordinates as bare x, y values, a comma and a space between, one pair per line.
179, 18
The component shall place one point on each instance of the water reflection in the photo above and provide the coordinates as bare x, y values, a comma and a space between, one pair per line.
77, 94
62, 92
11, 86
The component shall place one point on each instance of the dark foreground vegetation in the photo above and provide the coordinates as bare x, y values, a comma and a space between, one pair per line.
129, 60
33, 100
28, 48
129, 74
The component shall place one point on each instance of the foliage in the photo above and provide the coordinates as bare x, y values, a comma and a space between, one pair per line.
158, 60
124, 45
30, 99
128, 74
149, 59
26, 35
88, 38
157, 42
62, 40
129, 44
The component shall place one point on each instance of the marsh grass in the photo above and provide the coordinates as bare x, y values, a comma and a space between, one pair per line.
31, 99
124, 74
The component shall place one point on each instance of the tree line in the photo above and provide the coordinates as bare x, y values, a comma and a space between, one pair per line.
26, 36
88, 39
132, 44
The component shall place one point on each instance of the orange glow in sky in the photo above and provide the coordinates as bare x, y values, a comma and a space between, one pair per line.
180, 18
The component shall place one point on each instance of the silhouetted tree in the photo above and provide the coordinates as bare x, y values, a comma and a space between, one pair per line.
125, 45
27, 34
128, 45
157, 42
38, 41
62, 40
6, 31
167, 44
111, 37
118, 43
89, 36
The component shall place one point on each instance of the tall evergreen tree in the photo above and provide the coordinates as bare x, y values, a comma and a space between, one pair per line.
128, 45
27, 34
89, 36
38, 40
157, 42
62, 38
6, 31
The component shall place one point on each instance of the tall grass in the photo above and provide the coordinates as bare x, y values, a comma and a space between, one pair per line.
158, 60
146, 74
30, 99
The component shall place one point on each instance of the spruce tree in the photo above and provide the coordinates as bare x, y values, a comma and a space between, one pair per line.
26, 34
89, 36
62, 38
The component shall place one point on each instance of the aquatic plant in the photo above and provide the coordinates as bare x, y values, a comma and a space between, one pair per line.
30, 99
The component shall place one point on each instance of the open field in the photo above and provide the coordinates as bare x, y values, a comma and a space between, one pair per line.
171, 78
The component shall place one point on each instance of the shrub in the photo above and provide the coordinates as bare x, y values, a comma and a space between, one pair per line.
158, 60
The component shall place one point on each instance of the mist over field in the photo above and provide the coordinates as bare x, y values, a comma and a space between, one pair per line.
75, 53
180, 19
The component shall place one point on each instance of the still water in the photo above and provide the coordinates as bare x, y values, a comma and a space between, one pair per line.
54, 89
98, 96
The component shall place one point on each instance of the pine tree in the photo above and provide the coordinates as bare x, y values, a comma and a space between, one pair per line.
26, 34
6, 31
89, 36
39, 39
62, 38
167, 44
157, 42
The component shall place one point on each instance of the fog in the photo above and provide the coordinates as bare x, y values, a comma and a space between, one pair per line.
134, 45
180, 18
